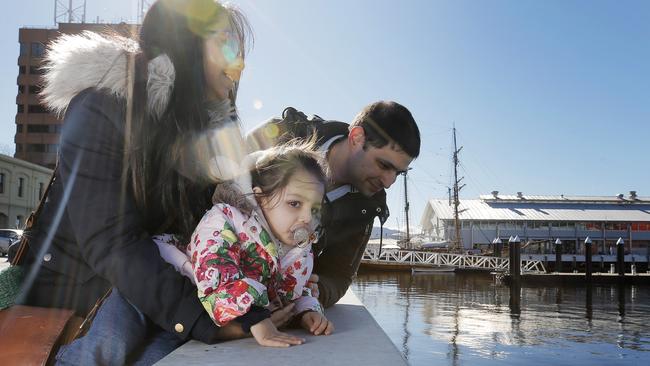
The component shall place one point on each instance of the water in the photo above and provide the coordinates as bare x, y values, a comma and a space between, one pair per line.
468, 319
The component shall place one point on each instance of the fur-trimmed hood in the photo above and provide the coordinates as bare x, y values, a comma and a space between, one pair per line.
75, 62
87, 60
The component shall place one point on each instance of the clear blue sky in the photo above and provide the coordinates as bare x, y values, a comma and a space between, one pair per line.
549, 97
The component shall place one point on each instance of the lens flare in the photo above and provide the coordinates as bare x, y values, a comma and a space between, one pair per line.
214, 155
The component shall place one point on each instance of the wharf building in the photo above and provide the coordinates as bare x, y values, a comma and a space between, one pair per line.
540, 220
37, 130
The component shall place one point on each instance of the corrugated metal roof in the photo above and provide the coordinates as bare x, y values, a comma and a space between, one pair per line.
562, 198
542, 211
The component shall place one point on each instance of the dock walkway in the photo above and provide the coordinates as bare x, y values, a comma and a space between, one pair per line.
357, 340
407, 259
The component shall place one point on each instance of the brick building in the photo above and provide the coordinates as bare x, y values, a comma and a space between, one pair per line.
38, 131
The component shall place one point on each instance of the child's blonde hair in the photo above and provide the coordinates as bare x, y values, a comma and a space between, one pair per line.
276, 166
272, 171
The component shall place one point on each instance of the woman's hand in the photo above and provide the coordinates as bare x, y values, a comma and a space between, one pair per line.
316, 323
266, 334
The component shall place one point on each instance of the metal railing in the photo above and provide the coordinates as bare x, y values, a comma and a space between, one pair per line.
409, 257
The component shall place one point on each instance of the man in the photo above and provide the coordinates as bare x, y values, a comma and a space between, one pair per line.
364, 158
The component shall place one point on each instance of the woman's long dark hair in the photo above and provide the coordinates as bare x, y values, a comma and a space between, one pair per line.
168, 200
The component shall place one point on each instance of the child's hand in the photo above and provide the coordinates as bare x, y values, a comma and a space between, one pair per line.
316, 323
266, 334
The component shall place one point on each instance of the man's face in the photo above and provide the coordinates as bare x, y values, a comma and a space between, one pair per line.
372, 169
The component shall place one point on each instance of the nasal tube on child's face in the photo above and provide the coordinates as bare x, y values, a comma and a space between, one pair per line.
300, 236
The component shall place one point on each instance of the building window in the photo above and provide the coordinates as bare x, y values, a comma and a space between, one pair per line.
40, 190
35, 89
36, 108
21, 108
21, 186
2, 182
24, 49
37, 49
22, 70
38, 128
19, 148
21, 89
36, 148
19, 128
52, 148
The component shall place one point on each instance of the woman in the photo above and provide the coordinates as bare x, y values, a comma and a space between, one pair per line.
149, 127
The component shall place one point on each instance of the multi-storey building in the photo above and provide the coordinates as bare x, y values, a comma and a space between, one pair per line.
37, 130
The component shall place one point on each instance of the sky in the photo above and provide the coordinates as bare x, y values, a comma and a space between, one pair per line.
548, 97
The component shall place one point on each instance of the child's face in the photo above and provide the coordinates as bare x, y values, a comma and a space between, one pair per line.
297, 205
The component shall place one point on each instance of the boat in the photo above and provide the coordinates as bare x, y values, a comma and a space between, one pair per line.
390, 248
435, 245
436, 269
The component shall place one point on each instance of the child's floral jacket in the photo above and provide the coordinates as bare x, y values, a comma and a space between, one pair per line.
236, 265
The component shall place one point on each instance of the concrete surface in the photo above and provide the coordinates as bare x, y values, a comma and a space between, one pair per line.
357, 340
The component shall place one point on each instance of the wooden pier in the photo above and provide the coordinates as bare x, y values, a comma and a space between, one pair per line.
405, 260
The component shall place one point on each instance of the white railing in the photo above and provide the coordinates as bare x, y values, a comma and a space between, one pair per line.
408, 257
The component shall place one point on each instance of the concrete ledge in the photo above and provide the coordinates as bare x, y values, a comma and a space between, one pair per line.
357, 340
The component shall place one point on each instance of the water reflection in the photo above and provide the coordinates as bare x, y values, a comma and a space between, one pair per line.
470, 319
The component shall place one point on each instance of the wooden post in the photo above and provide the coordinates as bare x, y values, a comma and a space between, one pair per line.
558, 255
496, 243
511, 259
588, 268
515, 259
620, 256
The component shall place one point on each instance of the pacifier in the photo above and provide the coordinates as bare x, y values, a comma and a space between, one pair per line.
301, 237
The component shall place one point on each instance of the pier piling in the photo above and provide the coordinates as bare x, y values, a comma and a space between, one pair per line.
496, 243
515, 258
588, 268
558, 255
620, 256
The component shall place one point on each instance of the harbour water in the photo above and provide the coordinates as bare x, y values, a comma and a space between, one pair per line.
469, 319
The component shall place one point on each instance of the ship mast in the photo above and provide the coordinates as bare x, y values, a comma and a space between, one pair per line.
457, 243
406, 211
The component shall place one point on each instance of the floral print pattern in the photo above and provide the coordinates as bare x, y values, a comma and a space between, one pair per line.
236, 266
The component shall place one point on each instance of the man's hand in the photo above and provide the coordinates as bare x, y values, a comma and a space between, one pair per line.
281, 316
316, 323
312, 283
266, 334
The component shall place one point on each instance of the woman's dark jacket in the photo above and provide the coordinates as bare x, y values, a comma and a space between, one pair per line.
90, 236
